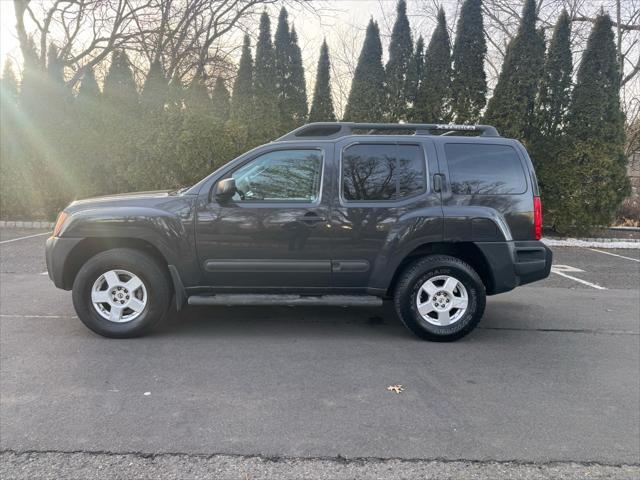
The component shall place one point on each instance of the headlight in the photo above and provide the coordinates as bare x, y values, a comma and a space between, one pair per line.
59, 223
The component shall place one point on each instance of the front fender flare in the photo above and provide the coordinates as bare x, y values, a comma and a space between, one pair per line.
165, 231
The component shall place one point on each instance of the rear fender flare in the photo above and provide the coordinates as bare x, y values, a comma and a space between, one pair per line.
418, 228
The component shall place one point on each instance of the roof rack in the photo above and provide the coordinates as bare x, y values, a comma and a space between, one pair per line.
331, 130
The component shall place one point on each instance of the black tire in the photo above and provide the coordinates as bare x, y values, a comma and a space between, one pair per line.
409, 286
152, 275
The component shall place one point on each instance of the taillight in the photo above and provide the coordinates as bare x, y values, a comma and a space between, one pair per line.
537, 218
61, 219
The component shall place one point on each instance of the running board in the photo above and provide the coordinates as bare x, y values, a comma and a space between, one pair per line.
288, 300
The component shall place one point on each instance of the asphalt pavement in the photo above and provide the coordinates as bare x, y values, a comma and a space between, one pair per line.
548, 386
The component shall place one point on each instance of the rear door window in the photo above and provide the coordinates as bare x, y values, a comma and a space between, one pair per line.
483, 169
382, 172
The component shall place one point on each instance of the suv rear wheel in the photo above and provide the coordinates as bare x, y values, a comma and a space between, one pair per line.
440, 298
121, 293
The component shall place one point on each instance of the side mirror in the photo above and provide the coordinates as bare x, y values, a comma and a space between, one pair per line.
225, 189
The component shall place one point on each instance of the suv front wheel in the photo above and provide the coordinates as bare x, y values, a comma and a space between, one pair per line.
440, 298
121, 293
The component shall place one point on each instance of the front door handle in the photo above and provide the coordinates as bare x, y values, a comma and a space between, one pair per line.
311, 217
438, 179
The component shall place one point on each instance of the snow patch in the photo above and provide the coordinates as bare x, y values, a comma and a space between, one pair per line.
604, 243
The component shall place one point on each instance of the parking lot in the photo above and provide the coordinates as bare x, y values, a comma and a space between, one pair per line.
551, 377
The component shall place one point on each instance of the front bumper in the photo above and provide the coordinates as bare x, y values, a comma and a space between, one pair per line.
57, 252
516, 263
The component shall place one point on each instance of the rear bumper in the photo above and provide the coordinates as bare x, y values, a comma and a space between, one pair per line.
57, 251
516, 263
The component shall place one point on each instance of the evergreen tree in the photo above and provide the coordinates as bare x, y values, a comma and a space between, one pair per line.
554, 93
197, 97
220, 101
367, 95
266, 117
8, 111
242, 104
433, 104
197, 134
511, 108
221, 151
32, 138
89, 89
282, 52
281, 41
242, 99
55, 92
119, 85
322, 105
591, 169
595, 110
55, 67
551, 110
149, 143
57, 185
297, 84
155, 89
175, 95
292, 94
416, 72
119, 106
88, 139
12, 171
9, 84
469, 82
399, 65
31, 86
168, 145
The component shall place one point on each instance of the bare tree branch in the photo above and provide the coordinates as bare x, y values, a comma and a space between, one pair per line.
623, 26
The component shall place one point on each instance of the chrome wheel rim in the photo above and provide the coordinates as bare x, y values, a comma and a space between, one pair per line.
442, 300
119, 296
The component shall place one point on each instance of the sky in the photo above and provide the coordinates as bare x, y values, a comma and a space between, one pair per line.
311, 28
8, 40
341, 22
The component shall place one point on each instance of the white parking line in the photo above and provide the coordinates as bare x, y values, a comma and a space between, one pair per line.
2, 315
579, 280
565, 268
24, 238
614, 255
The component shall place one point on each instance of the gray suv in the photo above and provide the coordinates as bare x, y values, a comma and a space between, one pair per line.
434, 217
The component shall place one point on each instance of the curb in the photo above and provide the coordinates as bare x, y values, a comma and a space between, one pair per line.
25, 224
625, 229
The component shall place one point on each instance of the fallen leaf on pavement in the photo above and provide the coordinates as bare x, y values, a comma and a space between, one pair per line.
395, 388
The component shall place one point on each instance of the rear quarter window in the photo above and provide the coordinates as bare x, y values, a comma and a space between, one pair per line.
482, 169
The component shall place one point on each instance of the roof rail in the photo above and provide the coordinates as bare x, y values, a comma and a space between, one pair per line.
331, 130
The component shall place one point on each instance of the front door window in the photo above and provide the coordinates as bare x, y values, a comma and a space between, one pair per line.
280, 176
